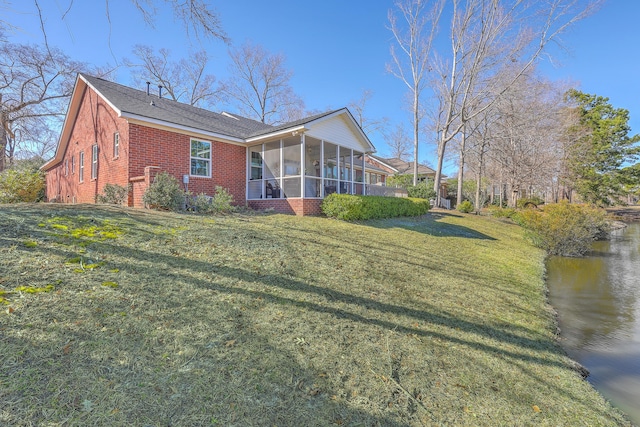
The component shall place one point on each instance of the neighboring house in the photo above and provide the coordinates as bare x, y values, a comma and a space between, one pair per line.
396, 166
114, 134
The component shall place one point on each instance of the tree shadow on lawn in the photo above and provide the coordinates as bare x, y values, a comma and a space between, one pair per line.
116, 374
185, 268
427, 263
439, 324
428, 224
371, 312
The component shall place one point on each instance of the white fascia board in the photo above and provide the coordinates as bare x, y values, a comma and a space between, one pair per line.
301, 129
381, 162
65, 133
167, 125
104, 98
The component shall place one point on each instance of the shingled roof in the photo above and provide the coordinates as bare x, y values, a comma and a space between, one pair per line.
135, 104
403, 167
138, 103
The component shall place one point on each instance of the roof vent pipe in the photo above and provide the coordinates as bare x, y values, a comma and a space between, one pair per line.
159, 91
148, 84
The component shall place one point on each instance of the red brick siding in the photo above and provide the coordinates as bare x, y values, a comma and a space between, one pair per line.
170, 151
379, 165
289, 206
96, 123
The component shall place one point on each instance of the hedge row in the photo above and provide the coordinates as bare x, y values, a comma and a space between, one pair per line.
352, 208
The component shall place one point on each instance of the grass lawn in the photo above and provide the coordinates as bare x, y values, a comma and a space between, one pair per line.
114, 316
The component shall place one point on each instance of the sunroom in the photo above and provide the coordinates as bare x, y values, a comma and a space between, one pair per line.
306, 165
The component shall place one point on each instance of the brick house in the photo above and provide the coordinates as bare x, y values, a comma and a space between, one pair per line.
395, 166
114, 134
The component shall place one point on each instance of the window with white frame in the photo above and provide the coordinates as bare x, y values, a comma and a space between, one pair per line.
94, 161
116, 145
200, 158
66, 167
73, 164
81, 166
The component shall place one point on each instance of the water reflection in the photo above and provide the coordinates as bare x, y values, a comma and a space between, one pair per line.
599, 313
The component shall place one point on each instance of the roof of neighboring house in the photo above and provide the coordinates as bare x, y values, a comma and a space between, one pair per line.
371, 168
134, 104
402, 167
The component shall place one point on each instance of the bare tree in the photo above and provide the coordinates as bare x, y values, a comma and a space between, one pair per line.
35, 84
414, 38
197, 17
526, 136
368, 125
399, 143
259, 86
487, 36
185, 80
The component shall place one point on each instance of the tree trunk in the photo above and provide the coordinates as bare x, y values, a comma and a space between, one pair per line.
3, 136
416, 126
461, 168
436, 181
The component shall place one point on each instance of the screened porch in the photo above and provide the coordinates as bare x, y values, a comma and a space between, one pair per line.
301, 166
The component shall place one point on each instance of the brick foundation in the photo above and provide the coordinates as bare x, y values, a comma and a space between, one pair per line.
288, 206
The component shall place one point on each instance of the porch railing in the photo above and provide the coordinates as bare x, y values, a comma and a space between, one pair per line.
379, 190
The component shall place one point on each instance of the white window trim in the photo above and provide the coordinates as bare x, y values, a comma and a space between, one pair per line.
81, 167
94, 161
116, 145
201, 158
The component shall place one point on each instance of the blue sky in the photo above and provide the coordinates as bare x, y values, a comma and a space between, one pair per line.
336, 48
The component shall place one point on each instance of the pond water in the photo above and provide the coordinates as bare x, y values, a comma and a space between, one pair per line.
598, 303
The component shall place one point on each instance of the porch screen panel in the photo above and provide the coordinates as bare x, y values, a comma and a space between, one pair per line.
312, 156
291, 156
271, 170
312, 187
358, 167
345, 169
291, 187
255, 189
330, 161
312, 167
271, 160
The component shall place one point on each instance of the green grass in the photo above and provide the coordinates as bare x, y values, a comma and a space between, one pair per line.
278, 320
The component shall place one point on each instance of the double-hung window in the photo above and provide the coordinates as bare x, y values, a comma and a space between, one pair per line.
116, 145
200, 158
94, 161
81, 167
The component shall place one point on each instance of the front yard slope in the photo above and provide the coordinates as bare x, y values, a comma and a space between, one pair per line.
124, 317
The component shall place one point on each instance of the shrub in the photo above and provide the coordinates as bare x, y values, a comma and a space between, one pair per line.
220, 202
21, 185
526, 202
499, 212
563, 228
113, 194
421, 191
465, 206
402, 181
351, 208
165, 193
